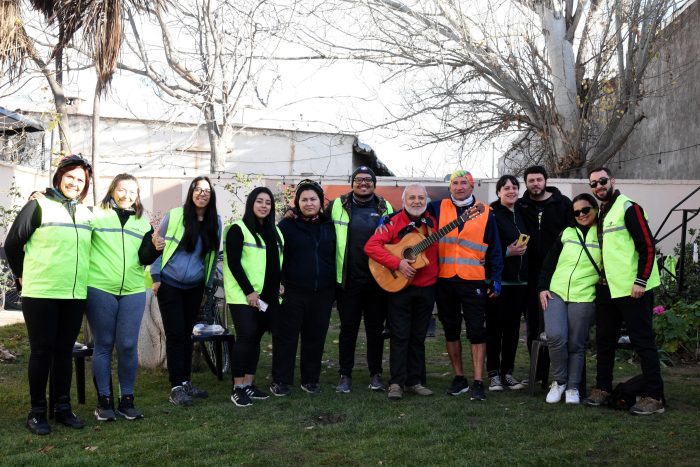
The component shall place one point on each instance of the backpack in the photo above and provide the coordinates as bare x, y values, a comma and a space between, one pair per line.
626, 393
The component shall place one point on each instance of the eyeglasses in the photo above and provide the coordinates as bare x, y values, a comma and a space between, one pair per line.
203, 191
602, 180
359, 180
584, 211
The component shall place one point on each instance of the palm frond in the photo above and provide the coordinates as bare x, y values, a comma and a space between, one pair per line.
12, 38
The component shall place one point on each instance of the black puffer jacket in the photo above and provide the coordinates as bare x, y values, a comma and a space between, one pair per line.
544, 222
309, 253
510, 226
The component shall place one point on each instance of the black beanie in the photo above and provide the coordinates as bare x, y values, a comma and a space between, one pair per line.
363, 169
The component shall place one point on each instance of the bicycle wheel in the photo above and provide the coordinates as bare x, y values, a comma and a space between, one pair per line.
208, 346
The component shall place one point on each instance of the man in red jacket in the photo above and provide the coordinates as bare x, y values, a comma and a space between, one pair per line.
411, 308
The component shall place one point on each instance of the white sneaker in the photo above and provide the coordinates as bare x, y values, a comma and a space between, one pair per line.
572, 396
555, 393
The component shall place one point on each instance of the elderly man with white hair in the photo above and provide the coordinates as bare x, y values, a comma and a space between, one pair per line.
410, 309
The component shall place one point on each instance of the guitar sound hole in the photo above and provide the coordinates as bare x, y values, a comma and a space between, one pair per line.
409, 254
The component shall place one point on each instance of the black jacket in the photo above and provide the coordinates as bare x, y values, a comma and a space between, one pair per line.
510, 226
309, 254
544, 222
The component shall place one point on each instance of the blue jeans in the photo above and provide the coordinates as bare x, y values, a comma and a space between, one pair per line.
115, 322
567, 325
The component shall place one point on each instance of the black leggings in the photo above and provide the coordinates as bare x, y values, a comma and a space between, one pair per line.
179, 309
250, 324
503, 328
52, 325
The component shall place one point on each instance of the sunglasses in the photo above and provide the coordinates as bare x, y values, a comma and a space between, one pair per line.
602, 180
584, 211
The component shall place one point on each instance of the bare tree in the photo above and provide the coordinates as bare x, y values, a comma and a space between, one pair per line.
562, 80
212, 55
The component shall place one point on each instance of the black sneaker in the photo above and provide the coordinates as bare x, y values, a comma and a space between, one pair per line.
459, 385
37, 422
65, 416
280, 389
255, 393
240, 397
104, 412
179, 396
127, 410
478, 393
193, 391
311, 388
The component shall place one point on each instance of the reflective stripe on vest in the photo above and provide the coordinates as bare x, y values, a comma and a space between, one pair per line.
173, 236
575, 277
620, 257
114, 260
461, 253
253, 261
57, 255
341, 221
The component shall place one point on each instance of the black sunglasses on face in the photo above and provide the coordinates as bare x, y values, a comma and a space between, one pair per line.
583, 211
602, 180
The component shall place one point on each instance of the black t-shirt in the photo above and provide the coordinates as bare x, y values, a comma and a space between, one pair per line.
364, 220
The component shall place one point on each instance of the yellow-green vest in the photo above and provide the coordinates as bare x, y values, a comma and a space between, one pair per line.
173, 236
620, 257
341, 220
575, 277
57, 255
253, 260
114, 260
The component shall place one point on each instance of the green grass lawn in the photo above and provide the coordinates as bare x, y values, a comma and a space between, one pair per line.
360, 428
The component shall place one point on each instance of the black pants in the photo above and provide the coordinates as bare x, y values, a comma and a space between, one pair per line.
503, 329
409, 315
304, 313
52, 325
637, 315
354, 302
179, 309
533, 321
250, 324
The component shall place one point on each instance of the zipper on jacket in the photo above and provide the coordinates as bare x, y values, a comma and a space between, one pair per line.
520, 266
77, 251
121, 287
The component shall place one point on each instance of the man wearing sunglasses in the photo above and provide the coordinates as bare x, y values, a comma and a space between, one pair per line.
546, 213
628, 275
356, 216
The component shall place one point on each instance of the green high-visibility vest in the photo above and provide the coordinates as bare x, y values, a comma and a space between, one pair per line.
114, 260
575, 277
341, 221
173, 236
253, 260
57, 255
620, 257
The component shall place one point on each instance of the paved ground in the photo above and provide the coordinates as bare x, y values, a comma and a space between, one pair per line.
10, 317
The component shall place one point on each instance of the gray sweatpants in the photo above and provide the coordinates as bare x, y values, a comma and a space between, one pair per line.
567, 326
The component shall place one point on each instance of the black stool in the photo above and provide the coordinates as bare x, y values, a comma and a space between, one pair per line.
80, 353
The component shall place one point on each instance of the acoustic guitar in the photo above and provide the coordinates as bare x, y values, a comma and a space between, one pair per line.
412, 247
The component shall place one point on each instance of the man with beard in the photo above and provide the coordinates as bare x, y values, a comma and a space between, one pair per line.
355, 216
411, 308
546, 212
628, 275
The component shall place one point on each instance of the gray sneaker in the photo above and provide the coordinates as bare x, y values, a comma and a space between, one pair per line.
419, 389
512, 383
597, 398
376, 383
193, 391
344, 385
647, 406
495, 384
179, 396
395, 392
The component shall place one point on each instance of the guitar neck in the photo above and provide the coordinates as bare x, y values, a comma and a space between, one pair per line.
438, 234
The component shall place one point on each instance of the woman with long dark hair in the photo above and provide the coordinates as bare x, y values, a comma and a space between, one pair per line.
309, 282
116, 293
252, 272
190, 237
567, 287
48, 249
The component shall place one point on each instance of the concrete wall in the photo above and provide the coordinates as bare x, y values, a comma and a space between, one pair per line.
159, 194
666, 144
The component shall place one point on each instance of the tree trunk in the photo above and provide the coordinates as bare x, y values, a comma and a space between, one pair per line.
95, 141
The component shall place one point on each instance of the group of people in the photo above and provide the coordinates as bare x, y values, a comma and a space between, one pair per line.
573, 263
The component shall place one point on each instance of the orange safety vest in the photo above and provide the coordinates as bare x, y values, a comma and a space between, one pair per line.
462, 253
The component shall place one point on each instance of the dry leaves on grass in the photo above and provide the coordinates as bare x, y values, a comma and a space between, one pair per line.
91, 448
47, 448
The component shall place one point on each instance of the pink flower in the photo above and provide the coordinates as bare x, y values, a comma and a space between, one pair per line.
659, 310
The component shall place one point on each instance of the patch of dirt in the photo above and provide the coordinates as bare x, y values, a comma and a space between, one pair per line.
328, 418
